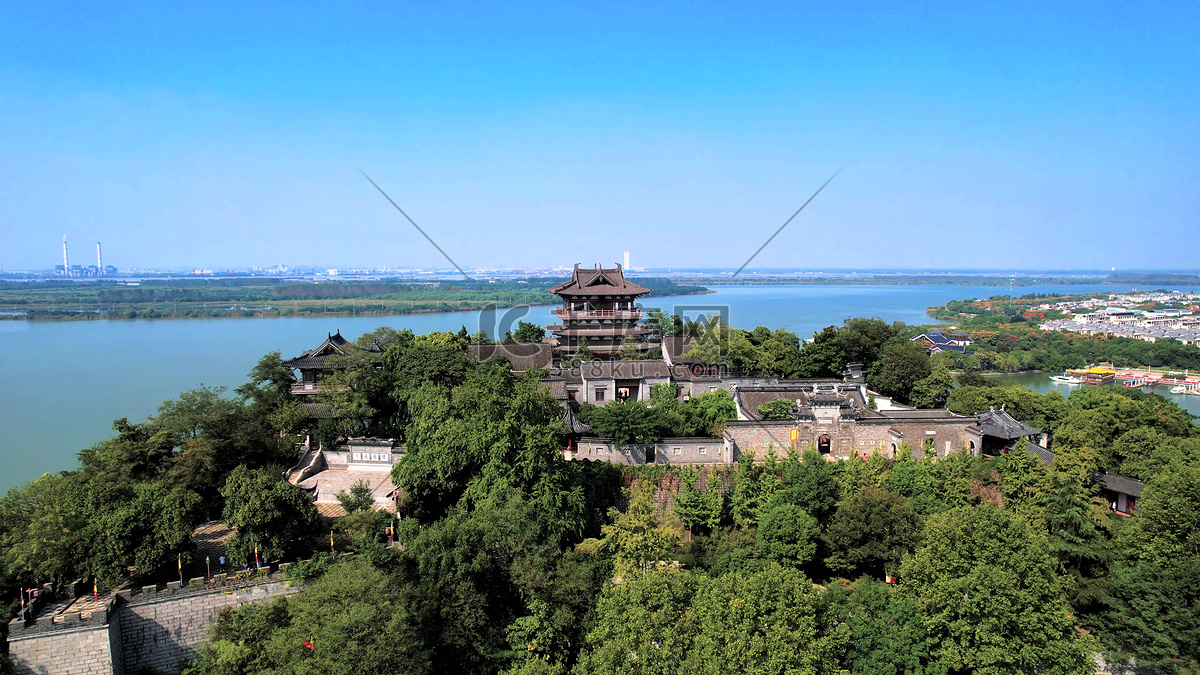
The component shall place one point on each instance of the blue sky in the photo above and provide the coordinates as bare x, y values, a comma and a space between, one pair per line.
542, 135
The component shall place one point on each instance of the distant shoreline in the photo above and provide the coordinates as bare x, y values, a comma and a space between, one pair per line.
262, 313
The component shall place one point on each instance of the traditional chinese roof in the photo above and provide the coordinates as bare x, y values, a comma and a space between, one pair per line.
557, 387
318, 411
1040, 452
675, 346
999, 424
802, 396
598, 281
331, 353
1122, 484
522, 356
574, 425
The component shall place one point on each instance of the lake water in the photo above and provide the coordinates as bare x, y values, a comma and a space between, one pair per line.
1040, 382
63, 383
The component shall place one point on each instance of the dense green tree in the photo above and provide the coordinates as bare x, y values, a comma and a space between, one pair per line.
727, 549
745, 498
914, 481
529, 332
667, 622
647, 624
712, 410
886, 633
822, 356
863, 340
902, 363
268, 513
933, 390
809, 484
973, 378
870, 534
779, 353
763, 622
978, 569
1043, 411
352, 616
788, 535
699, 511
1078, 538
270, 382
637, 538
625, 422
493, 433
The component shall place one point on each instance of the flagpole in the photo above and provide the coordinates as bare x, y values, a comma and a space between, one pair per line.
180, 558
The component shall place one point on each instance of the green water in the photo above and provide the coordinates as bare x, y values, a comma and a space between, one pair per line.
1040, 382
63, 383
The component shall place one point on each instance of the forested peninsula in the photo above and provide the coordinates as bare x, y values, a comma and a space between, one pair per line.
264, 297
516, 560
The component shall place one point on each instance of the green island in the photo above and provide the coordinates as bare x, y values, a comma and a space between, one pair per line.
507, 554
262, 297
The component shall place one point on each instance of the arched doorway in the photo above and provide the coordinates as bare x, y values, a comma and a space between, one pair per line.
823, 445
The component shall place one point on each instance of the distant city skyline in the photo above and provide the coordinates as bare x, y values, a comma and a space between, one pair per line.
1011, 137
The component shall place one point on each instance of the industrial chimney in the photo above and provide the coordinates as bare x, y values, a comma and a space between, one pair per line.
99, 262
66, 263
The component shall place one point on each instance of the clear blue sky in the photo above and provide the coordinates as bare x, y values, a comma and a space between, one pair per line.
541, 135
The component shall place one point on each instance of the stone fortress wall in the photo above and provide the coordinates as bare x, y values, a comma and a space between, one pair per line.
148, 629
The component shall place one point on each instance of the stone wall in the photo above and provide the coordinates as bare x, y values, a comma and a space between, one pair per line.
919, 429
944, 436
147, 629
159, 629
66, 651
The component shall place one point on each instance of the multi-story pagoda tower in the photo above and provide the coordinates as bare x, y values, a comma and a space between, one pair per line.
598, 305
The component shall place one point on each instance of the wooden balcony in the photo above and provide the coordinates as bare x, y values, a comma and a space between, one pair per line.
564, 313
308, 388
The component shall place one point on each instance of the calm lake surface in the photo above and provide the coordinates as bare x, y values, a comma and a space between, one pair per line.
63, 383
1040, 382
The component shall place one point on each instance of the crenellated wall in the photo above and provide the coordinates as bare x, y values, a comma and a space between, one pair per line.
150, 629
161, 629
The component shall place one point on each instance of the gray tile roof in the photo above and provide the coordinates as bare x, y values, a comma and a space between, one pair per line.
999, 424
1122, 484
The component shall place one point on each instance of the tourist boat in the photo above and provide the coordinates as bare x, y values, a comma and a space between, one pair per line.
1179, 389
1065, 379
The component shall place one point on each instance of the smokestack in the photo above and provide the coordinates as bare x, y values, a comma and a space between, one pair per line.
626, 261
66, 263
99, 262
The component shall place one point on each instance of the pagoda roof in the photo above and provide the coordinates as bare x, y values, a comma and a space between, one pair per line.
331, 353
598, 281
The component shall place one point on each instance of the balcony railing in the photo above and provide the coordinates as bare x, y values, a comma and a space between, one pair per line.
564, 313
305, 388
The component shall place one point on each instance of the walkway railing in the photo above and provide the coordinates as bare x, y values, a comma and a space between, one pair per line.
564, 313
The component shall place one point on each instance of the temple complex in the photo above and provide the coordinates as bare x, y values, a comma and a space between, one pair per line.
598, 309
